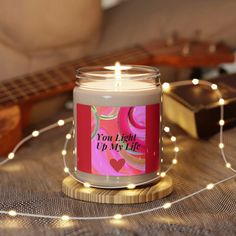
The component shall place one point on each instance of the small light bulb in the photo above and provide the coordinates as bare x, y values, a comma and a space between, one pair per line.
65, 217
11, 155
131, 186
166, 87
68, 136
221, 101
158, 173
174, 161
87, 185
214, 86
228, 165
167, 129
173, 138
117, 216
12, 213
221, 122
35, 133
176, 149
221, 145
66, 170
195, 81
162, 160
167, 205
61, 122
63, 152
210, 186
163, 174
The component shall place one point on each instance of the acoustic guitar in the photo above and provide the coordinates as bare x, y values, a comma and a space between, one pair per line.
18, 95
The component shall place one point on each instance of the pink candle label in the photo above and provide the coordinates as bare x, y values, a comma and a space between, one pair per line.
118, 141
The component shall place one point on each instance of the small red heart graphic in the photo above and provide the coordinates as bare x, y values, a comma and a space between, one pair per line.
117, 164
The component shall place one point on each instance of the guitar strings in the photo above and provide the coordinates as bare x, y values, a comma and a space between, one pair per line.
13, 93
119, 55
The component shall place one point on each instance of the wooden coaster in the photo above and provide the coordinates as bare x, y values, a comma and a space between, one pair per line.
76, 190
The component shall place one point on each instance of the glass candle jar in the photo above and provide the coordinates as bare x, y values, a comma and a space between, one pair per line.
117, 113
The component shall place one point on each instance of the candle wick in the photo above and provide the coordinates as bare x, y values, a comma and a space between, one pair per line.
117, 75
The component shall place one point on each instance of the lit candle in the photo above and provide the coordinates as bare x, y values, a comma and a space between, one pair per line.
117, 111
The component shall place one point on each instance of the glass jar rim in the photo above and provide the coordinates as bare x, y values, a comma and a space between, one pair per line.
108, 72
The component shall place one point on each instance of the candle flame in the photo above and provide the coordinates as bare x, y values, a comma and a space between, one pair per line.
118, 65
117, 68
117, 71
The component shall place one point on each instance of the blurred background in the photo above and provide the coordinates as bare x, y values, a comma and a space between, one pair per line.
42, 43
35, 35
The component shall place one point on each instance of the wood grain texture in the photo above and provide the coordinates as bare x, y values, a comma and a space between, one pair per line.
76, 190
10, 128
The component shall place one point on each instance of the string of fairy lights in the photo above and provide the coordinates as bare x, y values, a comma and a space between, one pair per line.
166, 87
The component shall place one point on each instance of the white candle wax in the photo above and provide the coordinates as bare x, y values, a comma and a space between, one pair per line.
107, 93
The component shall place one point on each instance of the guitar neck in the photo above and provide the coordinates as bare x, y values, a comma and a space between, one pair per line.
184, 53
60, 79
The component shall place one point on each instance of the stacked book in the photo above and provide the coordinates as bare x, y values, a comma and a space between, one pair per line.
196, 109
